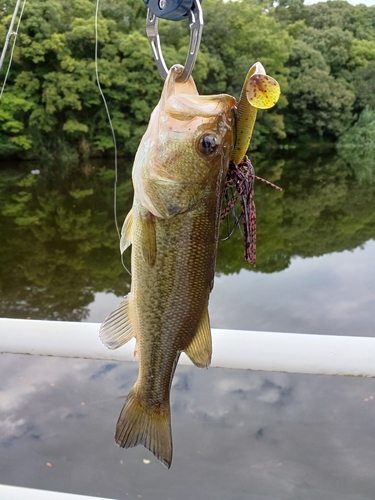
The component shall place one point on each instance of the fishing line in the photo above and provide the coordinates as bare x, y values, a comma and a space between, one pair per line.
15, 33
230, 201
111, 126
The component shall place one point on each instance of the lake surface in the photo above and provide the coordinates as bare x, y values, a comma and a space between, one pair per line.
315, 272
238, 434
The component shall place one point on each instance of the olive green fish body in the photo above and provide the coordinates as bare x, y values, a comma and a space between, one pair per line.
170, 294
178, 176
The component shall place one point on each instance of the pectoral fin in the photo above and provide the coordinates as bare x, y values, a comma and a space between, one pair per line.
116, 330
200, 348
126, 232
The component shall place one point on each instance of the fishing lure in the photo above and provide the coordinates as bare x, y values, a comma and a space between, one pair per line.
259, 91
240, 183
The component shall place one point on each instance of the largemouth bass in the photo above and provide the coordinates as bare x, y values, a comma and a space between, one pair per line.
178, 176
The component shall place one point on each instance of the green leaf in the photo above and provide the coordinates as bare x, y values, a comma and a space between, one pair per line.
73, 126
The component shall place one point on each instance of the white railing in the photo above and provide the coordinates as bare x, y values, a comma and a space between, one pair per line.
267, 351
18, 493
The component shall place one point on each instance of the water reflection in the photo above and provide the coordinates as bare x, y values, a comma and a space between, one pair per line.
333, 294
59, 256
60, 245
237, 434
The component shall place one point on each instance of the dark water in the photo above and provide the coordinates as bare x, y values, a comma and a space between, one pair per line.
237, 434
315, 273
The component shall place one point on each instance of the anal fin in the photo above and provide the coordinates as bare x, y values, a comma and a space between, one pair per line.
200, 348
116, 330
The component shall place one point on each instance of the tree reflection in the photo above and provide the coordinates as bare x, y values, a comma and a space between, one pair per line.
60, 246
322, 209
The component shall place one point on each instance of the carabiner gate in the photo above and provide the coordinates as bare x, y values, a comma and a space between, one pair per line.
196, 28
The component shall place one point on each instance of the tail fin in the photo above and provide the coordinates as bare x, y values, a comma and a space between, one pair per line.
139, 425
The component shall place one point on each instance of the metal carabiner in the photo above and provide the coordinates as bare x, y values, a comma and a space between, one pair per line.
196, 28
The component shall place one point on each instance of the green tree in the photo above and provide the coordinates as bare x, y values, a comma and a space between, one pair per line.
334, 44
324, 98
357, 146
364, 84
54, 72
363, 51
12, 129
289, 11
321, 54
319, 105
358, 19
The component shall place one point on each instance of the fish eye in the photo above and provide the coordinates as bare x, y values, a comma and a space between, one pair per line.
208, 144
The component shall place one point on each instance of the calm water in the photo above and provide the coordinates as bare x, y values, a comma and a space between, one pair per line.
237, 434
315, 273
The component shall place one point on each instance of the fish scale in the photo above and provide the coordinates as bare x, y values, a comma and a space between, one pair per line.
178, 178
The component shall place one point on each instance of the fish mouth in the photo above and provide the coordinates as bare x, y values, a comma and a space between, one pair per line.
173, 87
182, 100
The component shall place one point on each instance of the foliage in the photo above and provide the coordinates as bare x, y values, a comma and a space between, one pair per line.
364, 84
321, 104
357, 146
323, 56
363, 51
54, 72
358, 19
333, 44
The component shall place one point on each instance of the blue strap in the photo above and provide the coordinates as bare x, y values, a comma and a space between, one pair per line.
173, 10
